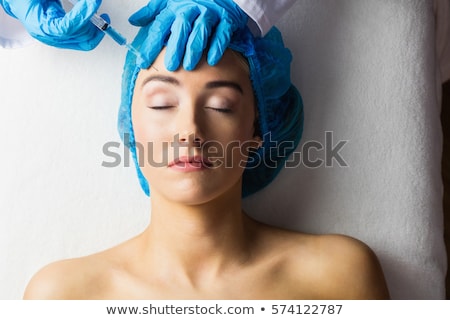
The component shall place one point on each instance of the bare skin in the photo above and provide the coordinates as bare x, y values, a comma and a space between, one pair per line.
278, 265
199, 243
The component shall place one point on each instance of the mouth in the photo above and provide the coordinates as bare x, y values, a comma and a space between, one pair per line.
193, 163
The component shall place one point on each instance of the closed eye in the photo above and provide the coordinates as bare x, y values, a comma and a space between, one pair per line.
160, 107
221, 110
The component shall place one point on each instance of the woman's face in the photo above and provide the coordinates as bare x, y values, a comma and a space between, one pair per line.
193, 129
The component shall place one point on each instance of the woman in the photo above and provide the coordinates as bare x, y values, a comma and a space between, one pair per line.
201, 140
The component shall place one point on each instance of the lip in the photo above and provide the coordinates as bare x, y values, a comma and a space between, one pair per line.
190, 164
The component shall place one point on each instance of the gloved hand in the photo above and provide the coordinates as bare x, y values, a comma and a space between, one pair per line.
190, 24
46, 21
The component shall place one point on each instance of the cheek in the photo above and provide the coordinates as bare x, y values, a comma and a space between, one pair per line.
237, 127
146, 127
142, 131
236, 147
243, 130
151, 140
248, 139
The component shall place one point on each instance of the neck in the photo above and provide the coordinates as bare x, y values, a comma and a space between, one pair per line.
201, 240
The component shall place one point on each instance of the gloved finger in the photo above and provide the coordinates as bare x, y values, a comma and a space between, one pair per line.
199, 37
219, 42
157, 34
180, 30
85, 41
94, 37
61, 23
93, 42
106, 17
91, 37
5, 5
20, 9
147, 14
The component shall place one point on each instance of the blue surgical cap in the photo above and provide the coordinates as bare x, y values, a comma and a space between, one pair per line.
279, 105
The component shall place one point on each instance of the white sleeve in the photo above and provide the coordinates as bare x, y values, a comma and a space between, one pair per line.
264, 13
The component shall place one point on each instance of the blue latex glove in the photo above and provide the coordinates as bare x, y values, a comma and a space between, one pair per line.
190, 24
46, 21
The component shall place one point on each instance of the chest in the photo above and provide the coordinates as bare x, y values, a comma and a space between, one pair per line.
240, 286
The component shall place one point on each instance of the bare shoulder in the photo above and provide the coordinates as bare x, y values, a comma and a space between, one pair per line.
345, 268
331, 267
86, 277
58, 280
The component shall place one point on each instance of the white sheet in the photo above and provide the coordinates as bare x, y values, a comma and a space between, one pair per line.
367, 73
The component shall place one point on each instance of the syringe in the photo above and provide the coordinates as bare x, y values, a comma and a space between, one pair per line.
103, 25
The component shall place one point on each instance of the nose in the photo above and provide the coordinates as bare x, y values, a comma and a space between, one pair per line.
188, 139
189, 127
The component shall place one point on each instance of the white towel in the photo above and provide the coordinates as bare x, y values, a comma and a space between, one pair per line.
367, 73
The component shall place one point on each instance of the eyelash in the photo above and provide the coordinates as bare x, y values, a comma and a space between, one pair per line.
159, 107
220, 110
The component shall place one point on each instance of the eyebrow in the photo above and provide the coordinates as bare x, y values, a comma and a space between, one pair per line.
166, 79
229, 84
209, 85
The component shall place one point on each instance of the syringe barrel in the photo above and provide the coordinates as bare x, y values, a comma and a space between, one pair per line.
99, 22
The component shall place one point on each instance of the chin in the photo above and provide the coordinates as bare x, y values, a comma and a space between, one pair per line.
191, 193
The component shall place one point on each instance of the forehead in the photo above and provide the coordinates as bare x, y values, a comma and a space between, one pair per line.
232, 67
